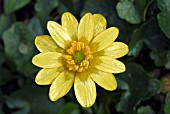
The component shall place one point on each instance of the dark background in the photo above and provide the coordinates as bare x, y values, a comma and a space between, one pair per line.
143, 24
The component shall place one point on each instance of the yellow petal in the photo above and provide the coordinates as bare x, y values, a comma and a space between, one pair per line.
59, 34
85, 89
45, 43
115, 50
104, 79
104, 39
86, 29
99, 23
61, 85
47, 76
48, 60
107, 64
70, 23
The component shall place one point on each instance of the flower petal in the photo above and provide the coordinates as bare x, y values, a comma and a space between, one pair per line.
45, 43
107, 64
86, 29
48, 60
85, 89
47, 76
104, 79
104, 39
99, 23
115, 50
70, 23
59, 34
61, 85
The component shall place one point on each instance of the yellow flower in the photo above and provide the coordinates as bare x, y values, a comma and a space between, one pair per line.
81, 54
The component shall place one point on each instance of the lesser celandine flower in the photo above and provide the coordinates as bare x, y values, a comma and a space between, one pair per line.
79, 54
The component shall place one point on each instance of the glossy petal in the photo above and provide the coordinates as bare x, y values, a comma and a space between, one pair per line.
99, 23
48, 60
104, 39
104, 79
47, 76
45, 43
59, 34
107, 64
85, 89
70, 23
61, 85
115, 50
86, 28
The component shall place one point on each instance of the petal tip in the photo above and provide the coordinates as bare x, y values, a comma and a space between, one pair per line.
37, 82
114, 87
116, 29
33, 60
53, 98
123, 68
65, 13
88, 13
49, 23
127, 49
36, 40
86, 105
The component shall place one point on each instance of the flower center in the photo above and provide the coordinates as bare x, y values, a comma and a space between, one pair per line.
78, 56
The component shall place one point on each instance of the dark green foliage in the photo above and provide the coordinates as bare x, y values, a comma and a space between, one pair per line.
144, 25
167, 104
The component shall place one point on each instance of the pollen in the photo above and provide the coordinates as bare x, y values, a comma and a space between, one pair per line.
78, 57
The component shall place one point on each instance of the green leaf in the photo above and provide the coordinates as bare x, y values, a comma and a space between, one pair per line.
98, 6
167, 104
44, 8
35, 26
168, 63
13, 5
152, 34
164, 17
145, 110
141, 87
70, 108
18, 40
22, 105
25, 66
11, 42
66, 5
136, 44
160, 58
107, 9
19, 47
5, 22
132, 11
149, 34
73, 6
164, 5
33, 100
122, 84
